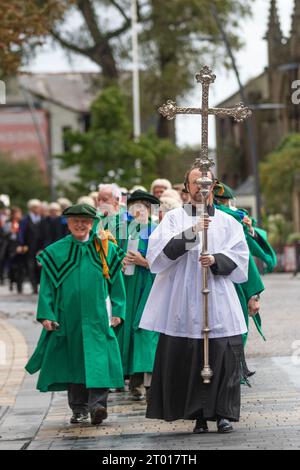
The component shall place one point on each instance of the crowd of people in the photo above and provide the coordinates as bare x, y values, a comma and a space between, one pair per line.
23, 236
120, 296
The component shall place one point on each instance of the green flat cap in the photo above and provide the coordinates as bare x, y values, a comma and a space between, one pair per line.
222, 191
140, 195
81, 210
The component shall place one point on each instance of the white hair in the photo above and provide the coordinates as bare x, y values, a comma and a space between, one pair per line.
54, 206
136, 187
33, 203
86, 200
161, 182
171, 193
114, 188
5, 199
64, 202
168, 203
94, 194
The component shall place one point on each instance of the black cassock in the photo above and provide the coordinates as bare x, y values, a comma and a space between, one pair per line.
177, 390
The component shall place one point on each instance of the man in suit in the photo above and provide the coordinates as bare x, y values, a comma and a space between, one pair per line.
31, 240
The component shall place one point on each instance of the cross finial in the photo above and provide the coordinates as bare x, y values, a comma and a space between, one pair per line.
205, 76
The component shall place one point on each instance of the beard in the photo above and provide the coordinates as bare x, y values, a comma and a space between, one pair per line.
197, 197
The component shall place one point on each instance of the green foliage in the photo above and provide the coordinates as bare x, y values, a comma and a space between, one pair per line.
176, 38
24, 25
279, 230
293, 238
179, 36
22, 180
107, 151
277, 175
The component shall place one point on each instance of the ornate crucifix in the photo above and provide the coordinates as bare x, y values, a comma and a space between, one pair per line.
240, 112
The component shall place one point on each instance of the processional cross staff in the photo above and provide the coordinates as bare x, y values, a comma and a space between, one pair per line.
239, 112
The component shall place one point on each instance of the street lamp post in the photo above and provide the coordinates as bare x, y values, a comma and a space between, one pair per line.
135, 73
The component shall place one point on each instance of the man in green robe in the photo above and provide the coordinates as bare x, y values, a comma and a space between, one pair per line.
81, 299
256, 237
249, 291
111, 212
137, 346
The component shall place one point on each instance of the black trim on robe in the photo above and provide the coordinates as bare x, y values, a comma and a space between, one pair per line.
177, 247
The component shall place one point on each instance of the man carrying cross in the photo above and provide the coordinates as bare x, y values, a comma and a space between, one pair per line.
195, 260
174, 309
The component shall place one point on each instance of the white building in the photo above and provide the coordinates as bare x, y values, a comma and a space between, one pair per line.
39, 108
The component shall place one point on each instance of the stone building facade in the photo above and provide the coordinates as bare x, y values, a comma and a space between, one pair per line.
270, 97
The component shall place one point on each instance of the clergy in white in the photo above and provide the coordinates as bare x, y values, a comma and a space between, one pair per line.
175, 309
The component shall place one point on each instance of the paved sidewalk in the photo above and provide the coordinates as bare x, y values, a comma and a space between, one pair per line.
270, 417
23, 409
270, 420
13, 355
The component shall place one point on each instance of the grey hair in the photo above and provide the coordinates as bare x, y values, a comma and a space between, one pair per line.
114, 188
161, 182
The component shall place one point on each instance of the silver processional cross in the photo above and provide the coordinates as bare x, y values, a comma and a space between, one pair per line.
240, 112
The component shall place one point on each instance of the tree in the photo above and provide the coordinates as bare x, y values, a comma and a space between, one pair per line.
23, 26
177, 37
22, 180
279, 230
277, 175
107, 151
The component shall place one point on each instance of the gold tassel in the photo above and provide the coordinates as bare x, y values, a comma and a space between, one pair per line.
102, 249
219, 186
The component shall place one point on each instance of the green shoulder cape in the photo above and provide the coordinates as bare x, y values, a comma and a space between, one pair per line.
254, 284
62, 257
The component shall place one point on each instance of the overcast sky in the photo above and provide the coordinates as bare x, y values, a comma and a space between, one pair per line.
251, 61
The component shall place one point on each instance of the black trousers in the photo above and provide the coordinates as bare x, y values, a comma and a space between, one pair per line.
82, 399
34, 273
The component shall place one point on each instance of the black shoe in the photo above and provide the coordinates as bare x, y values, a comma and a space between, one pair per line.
200, 426
251, 373
224, 426
78, 418
136, 397
98, 415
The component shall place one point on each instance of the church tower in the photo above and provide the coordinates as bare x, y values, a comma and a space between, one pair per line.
295, 34
274, 37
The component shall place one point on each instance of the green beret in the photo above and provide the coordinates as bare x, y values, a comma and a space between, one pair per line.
81, 210
222, 191
140, 195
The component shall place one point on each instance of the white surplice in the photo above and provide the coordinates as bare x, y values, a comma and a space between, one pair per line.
175, 303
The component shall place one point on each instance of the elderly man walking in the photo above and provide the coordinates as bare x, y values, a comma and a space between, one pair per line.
31, 240
81, 300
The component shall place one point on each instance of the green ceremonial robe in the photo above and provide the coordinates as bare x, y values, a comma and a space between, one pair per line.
137, 346
74, 293
254, 284
261, 249
258, 245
